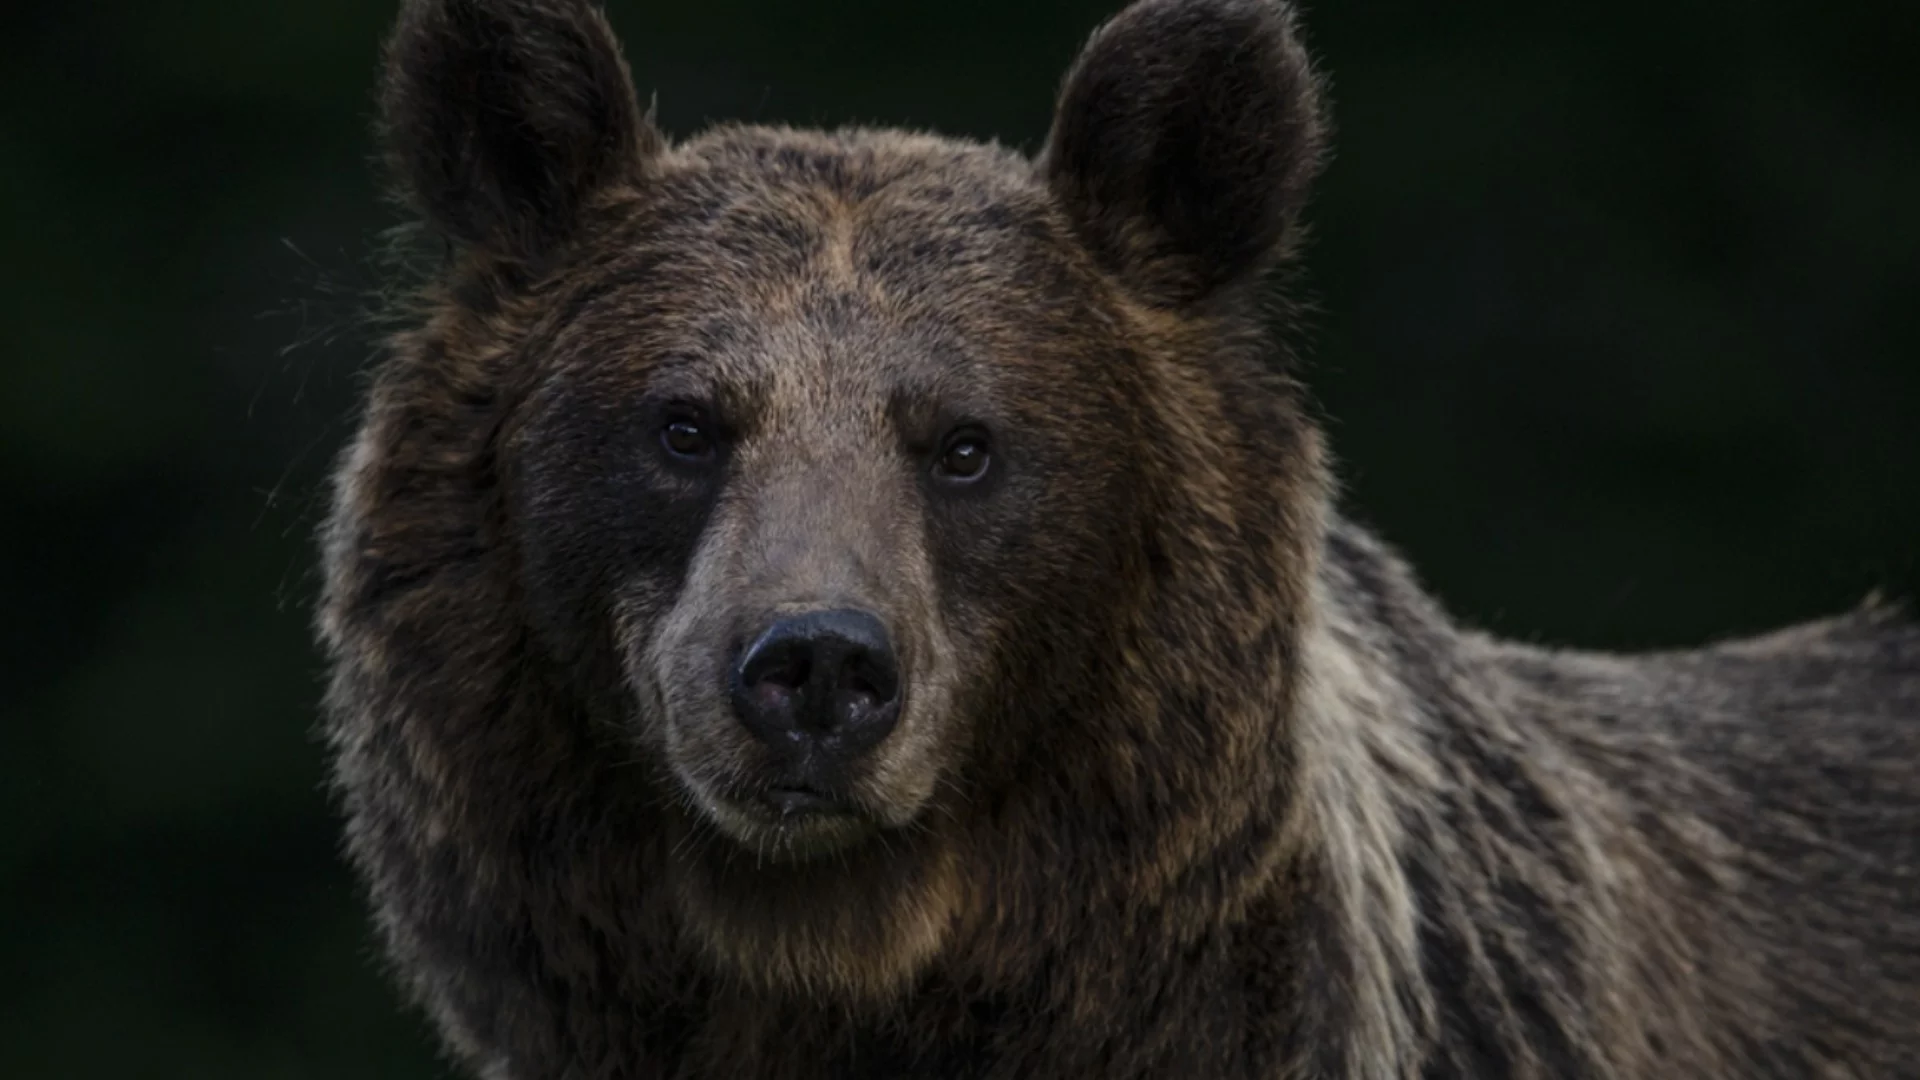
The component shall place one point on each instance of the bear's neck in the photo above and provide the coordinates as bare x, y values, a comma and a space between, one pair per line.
1376, 656
1431, 792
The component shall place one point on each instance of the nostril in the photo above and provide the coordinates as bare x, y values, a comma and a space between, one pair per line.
786, 668
865, 687
768, 699
861, 679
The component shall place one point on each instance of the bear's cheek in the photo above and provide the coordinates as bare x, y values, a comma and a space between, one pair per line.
673, 662
1046, 553
929, 745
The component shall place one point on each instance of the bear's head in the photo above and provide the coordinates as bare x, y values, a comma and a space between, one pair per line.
907, 528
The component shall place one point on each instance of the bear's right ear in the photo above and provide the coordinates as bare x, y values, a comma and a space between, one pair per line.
1183, 143
503, 118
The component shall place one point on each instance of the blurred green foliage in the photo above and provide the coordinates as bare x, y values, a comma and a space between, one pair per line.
1617, 326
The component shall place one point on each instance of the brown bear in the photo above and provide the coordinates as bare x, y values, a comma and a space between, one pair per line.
862, 604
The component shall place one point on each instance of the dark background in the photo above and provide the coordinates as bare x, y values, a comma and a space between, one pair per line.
1619, 326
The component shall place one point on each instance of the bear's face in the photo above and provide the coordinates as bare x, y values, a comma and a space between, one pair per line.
901, 506
831, 423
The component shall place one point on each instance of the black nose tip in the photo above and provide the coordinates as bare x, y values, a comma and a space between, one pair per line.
826, 678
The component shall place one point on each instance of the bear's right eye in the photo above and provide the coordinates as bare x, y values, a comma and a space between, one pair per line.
687, 440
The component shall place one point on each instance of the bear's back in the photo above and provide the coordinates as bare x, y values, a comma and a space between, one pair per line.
1771, 787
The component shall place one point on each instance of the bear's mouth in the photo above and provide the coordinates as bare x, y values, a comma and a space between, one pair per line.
789, 822
798, 802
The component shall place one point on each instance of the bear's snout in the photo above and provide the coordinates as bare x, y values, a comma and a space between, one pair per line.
818, 688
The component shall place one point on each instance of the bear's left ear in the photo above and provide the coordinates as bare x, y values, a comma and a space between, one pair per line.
1184, 141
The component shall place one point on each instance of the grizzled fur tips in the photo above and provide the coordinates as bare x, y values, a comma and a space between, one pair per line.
859, 604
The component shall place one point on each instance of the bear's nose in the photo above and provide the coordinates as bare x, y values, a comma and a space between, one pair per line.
825, 679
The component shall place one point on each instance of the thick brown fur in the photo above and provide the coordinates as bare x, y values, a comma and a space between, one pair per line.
1192, 778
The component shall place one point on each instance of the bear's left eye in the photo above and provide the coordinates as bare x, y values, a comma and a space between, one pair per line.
687, 439
964, 459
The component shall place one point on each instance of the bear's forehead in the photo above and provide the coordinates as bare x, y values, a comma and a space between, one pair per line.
843, 254
857, 164
759, 212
